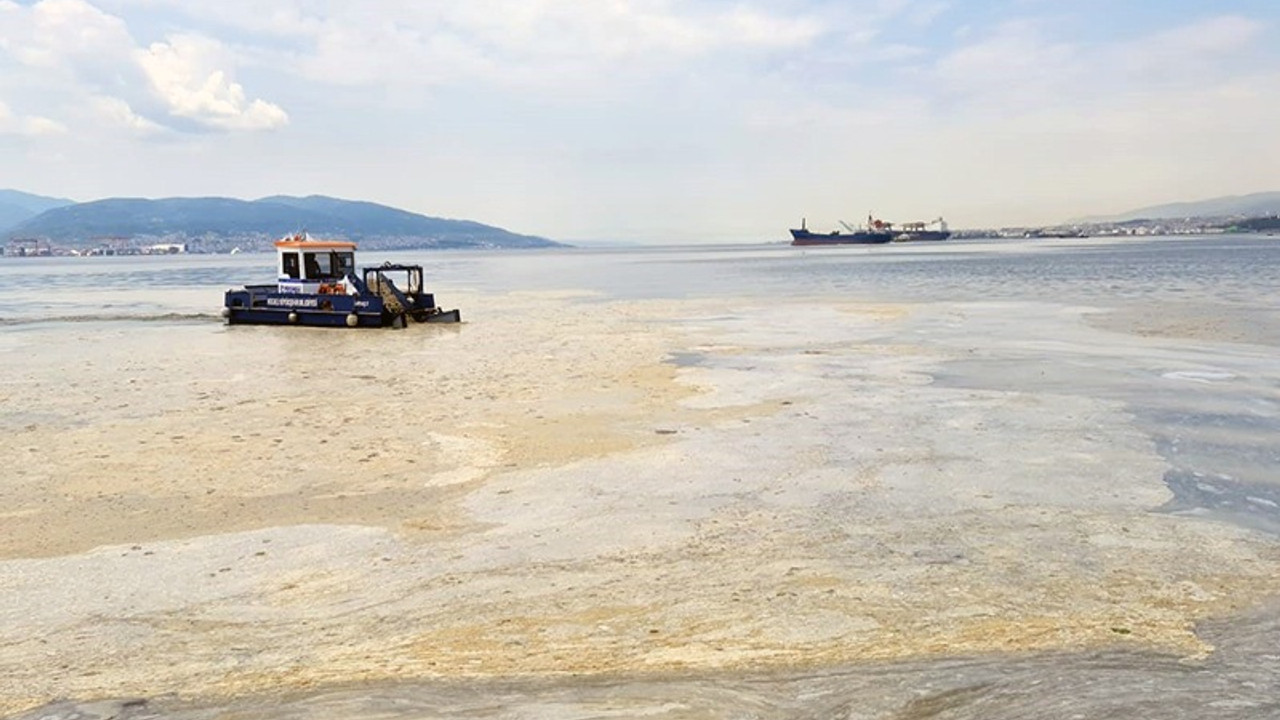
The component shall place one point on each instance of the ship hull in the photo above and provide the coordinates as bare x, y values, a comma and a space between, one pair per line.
805, 237
923, 235
263, 305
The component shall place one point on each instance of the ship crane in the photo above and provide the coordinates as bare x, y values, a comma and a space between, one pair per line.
919, 226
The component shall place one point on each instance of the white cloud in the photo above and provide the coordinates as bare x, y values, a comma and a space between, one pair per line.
503, 42
926, 13
35, 125
752, 28
1061, 123
1023, 122
63, 35
116, 112
1188, 55
1018, 65
1024, 65
184, 72
27, 125
1222, 34
70, 53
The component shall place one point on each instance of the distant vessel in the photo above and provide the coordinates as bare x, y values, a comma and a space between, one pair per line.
875, 232
920, 231
316, 284
1056, 233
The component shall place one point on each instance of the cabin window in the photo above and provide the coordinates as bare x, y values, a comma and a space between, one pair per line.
344, 264
318, 265
289, 264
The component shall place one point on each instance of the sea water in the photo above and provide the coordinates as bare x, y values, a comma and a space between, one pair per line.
1171, 343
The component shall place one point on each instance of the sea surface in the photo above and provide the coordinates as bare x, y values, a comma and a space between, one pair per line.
1183, 336
1239, 271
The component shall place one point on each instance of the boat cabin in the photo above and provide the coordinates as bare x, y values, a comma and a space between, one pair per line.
315, 267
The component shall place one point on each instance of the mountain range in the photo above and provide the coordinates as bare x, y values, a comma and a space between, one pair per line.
219, 223
1253, 205
16, 207
216, 221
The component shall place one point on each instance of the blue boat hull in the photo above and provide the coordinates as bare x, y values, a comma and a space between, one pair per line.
265, 305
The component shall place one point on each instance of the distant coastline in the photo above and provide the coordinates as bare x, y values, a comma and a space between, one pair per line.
132, 226
1141, 227
41, 226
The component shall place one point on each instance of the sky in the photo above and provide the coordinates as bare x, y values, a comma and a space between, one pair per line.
649, 120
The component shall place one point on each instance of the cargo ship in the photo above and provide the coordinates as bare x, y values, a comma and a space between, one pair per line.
873, 233
876, 232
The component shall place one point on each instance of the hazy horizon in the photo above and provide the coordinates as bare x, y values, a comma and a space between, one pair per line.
647, 120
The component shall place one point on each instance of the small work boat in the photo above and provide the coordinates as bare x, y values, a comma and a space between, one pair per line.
316, 285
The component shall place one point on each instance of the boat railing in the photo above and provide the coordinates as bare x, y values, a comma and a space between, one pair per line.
356, 283
380, 284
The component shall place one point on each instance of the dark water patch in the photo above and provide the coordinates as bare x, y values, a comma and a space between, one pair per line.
1226, 421
1060, 377
1214, 430
686, 359
1253, 505
126, 709
1244, 457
